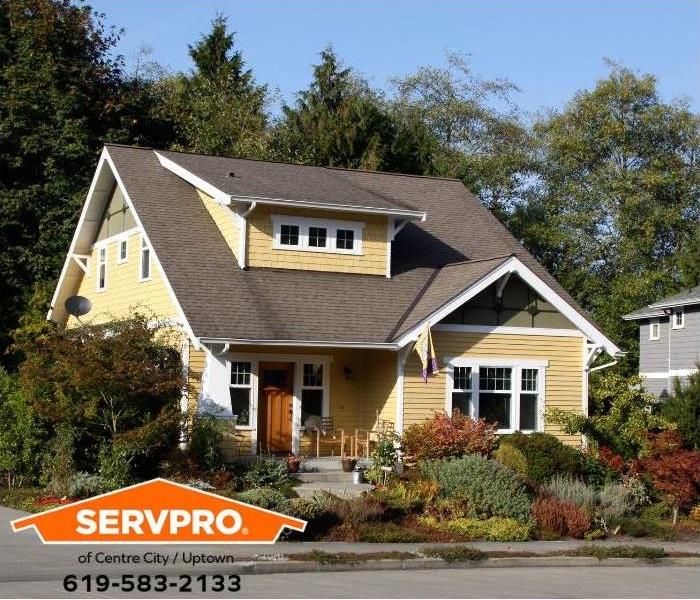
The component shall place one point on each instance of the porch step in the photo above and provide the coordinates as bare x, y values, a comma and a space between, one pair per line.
337, 488
323, 476
327, 463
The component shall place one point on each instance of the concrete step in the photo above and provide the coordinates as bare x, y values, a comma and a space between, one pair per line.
323, 476
349, 490
327, 463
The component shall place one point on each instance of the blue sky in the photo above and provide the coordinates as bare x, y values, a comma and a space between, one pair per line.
550, 49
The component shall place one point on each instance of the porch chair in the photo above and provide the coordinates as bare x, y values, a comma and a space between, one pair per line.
365, 440
329, 437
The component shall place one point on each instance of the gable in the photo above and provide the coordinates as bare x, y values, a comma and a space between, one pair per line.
117, 217
517, 306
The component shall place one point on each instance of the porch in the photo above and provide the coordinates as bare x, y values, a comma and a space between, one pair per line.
309, 401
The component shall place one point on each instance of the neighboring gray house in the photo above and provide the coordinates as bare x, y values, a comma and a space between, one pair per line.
669, 340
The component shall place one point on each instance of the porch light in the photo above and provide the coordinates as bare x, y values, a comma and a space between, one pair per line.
348, 373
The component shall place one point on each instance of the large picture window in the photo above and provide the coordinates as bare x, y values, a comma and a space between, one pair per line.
240, 391
510, 395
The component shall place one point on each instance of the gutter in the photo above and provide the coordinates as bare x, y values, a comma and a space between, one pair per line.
299, 343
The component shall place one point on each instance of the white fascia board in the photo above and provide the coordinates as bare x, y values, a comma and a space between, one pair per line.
189, 177
76, 235
677, 303
647, 315
299, 343
514, 265
506, 330
392, 212
154, 254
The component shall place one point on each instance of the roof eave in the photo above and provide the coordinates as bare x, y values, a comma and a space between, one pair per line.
299, 343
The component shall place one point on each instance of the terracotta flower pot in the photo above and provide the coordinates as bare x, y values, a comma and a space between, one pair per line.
293, 466
348, 464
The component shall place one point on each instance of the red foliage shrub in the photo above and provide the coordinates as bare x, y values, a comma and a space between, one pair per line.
562, 518
663, 443
676, 475
449, 436
611, 460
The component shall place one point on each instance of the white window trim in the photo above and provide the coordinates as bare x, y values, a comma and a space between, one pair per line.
145, 245
299, 361
101, 263
654, 323
113, 238
516, 365
678, 311
122, 240
330, 225
249, 387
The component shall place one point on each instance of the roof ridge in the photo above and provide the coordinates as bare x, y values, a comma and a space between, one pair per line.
394, 173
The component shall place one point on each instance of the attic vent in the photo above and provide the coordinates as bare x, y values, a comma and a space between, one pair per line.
231, 174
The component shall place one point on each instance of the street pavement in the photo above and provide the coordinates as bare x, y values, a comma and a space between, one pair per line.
30, 569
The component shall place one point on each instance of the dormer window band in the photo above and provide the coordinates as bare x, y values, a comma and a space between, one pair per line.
316, 235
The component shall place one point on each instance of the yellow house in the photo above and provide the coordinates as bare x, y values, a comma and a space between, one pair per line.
300, 293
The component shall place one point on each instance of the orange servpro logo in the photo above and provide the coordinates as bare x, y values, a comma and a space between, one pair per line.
158, 512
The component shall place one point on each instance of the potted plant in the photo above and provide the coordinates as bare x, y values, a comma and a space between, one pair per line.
293, 462
348, 463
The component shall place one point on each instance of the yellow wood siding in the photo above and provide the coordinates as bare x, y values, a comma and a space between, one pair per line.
563, 383
225, 220
194, 377
124, 293
260, 252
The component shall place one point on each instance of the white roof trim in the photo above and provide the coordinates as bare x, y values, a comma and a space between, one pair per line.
224, 198
508, 330
514, 265
309, 343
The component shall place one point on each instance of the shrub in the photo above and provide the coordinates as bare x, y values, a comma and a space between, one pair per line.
116, 464
683, 409
561, 518
265, 471
401, 497
448, 436
512, 458
205, 442
694, 513
388, 533
58, 467
546, 456
494, 529
385, 454
573, 491
362, 509
488, 488
85, 485
454, 553
603, 552
268, 498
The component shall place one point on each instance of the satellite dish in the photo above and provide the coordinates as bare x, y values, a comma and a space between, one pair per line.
78, 306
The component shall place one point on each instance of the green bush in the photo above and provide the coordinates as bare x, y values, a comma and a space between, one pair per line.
488, 488
546, 456
683, 408
85, 485
116, 464
388, 533
205, 442
603, 552
454, 553
58, 467
511, 457
494, 529
268, 498
21, 433
574, 491
265, 471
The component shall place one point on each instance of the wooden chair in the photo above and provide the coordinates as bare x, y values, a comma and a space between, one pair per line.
327, 435
364, 440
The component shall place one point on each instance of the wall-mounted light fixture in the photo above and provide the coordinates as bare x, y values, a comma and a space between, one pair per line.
348, 373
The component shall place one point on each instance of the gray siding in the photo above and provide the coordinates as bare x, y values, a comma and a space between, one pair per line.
685, 344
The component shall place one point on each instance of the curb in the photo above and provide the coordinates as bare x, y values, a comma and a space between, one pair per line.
297, 566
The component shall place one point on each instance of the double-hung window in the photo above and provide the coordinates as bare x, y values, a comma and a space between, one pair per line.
122, 250
102, 268
678, 318
508, 394
241, 391
316, 235
312, 391
654, 330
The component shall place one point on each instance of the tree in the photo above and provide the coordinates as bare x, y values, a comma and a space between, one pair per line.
337, 122
471, 139
621, 415
219, 108
613, 213
683, 409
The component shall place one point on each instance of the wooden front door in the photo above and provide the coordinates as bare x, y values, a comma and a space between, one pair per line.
275, 407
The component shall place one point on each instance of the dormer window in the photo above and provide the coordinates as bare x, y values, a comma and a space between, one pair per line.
317, 235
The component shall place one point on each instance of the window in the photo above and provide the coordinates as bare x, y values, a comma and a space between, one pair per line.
511, 395
678, 318
102, 269
462, 390
344, 239
316, 235
145, 271
122, 254
654, 330
311, 391
240, 391
289, 235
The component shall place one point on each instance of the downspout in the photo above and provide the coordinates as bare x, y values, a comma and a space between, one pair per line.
243, 233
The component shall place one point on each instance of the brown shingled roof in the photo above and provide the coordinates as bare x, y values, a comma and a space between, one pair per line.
222, 301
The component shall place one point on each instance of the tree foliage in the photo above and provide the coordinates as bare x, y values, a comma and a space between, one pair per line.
683, 409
